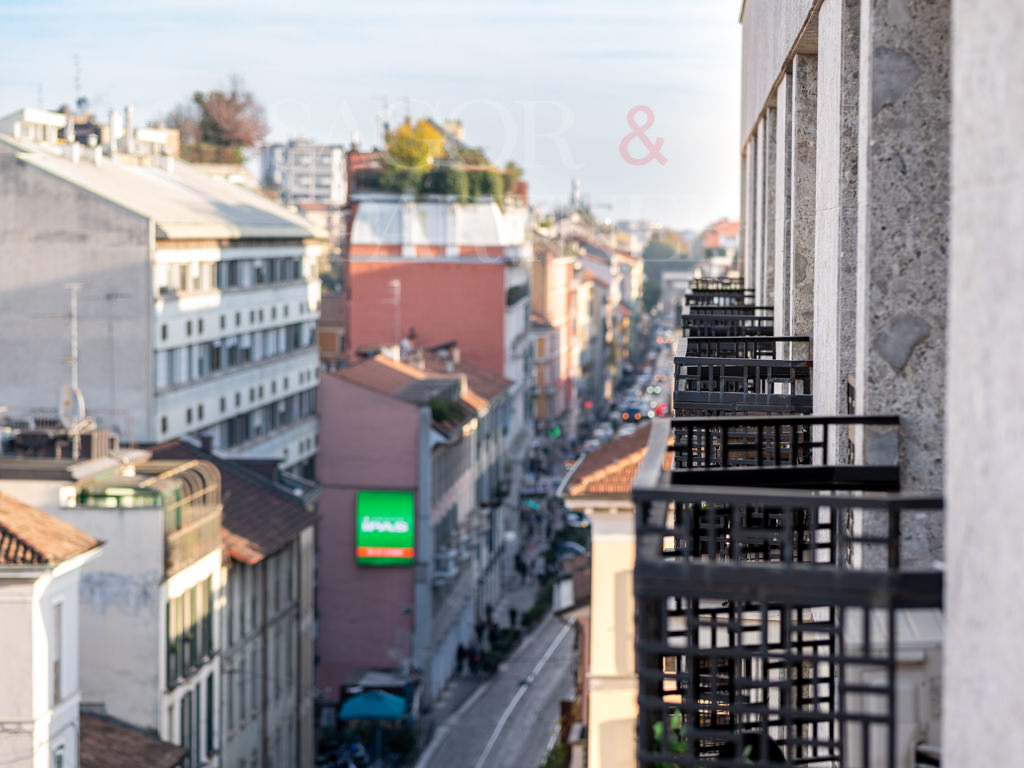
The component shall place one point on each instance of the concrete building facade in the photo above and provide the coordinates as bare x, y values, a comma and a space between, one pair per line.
425, 435
880, 164
197, 305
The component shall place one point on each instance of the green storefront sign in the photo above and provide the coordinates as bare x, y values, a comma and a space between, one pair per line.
385, 532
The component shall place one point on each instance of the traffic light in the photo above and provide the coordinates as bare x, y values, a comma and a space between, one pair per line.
555, 431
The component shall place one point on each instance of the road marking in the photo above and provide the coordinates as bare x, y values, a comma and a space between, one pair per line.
519, 694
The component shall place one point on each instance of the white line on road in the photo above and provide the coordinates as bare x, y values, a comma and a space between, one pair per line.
519, 694
442, 730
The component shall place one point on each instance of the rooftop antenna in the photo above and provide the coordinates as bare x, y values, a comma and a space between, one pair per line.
382, 119
78, 79
72, 404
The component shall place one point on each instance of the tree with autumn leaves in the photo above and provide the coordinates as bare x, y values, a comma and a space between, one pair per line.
217, 126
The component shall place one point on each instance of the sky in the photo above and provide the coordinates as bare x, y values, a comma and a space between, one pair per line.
549, 84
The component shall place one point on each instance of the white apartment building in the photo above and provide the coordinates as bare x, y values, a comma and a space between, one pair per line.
147, 611
304, 172
41, 561
198, 299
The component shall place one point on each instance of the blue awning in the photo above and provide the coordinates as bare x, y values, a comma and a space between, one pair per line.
373, 705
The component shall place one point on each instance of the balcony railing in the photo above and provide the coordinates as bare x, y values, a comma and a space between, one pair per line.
717, 385
724, 324
767, 624
770, 580
747, 347
778, 451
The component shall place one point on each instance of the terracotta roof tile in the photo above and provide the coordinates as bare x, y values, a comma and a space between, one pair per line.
108, 743
29, 535
259, 516
610, 469
380, 374
481, 382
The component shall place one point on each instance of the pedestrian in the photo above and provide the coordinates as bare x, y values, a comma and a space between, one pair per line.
489, 610
473, 659
512, 616
492, 635
479, 631
521, 567
478, 660
460, 658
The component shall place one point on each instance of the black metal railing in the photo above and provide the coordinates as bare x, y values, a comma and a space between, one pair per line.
766, 625
781, 451
747, 347
716, 385
721, 297
722, 324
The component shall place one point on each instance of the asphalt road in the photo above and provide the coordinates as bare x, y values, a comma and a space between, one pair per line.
510, 721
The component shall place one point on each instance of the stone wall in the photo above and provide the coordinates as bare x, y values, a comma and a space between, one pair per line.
985, 426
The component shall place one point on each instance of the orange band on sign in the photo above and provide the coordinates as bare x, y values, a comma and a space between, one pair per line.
403, 552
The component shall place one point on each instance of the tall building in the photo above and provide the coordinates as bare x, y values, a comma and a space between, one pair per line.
304, 172
314, 179
442, 270
197, 300
882, 179
411, 528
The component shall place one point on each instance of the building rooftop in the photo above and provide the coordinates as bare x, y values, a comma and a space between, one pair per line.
29, 536
482, 383
108, 743
412, 385
610, 469
259, 516
184, 202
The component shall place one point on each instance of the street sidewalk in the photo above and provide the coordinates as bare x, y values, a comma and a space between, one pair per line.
463, 685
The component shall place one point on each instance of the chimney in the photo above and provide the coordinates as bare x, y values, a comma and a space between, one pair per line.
129, 130
456, 354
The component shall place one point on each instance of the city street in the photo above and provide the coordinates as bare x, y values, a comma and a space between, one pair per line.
510, 720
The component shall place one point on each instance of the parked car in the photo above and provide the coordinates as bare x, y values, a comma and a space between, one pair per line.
576, 520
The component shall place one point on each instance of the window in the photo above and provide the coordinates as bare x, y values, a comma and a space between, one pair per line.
273, 313
261, 390
163, 424
252, 315
209, 714
200, 325
188, 327
188, 415
185, 737
200, 412
58, 757
223, 405
238, 319
261, 315
223, 322
238, 398
57, 647
163, 332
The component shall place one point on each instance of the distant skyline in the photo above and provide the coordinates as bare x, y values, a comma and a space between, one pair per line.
545, 83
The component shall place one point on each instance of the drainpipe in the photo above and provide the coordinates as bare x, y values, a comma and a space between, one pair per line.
264, 665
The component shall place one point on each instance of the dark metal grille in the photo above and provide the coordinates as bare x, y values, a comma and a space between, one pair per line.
776, 451
714, 385
747, 347
758, 642
719, 324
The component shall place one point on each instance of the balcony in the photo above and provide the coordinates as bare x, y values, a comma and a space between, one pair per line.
771, 584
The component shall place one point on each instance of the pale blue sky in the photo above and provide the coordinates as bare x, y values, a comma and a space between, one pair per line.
546, 83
